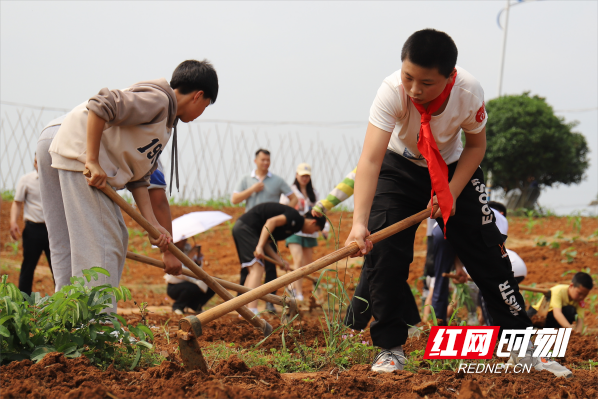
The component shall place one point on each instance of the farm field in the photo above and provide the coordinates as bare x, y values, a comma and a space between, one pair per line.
550, 246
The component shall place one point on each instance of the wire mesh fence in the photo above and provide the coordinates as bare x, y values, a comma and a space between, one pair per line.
213, 154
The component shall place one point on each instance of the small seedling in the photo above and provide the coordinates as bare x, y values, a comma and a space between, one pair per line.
570, 254
143, 312
14, 246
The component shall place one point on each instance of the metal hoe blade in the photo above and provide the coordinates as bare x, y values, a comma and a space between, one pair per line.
189, 331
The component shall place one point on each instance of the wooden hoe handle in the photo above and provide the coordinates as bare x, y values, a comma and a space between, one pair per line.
198, 271
521, 287
277, 263
226, 284
256, 293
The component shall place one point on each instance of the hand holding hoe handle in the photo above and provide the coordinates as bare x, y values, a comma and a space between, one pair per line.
256, 293
199, 272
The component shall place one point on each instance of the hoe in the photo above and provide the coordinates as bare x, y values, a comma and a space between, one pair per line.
190, 327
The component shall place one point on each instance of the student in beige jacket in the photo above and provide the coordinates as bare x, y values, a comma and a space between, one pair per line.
118, 135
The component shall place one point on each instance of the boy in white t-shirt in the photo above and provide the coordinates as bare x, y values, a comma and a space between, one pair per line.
414, 132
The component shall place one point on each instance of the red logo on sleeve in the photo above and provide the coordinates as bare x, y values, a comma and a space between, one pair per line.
481, 115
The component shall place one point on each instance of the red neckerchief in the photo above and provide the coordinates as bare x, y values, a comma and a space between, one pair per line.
428, 148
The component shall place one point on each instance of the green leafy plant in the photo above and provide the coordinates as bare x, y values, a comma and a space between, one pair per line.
530, 221
541, 242
71, 321
555, 245
575, 221
570, 254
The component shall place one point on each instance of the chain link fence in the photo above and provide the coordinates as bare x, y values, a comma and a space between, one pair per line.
213, 154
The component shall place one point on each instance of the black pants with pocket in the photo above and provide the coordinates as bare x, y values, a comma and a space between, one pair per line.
404, 189
35, 241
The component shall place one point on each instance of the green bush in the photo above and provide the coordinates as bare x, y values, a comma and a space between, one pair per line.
71, 321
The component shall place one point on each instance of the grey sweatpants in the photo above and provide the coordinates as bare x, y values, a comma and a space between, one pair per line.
85, 227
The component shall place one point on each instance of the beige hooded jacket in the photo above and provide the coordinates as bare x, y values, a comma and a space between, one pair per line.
139, 122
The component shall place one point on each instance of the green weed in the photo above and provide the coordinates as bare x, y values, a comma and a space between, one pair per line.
570, 254
135, 232
14, 247
8, 195
215, 203
530, 221
71, 321
575, 221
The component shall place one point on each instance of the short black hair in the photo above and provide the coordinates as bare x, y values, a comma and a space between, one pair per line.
320, 220
265, 152
192, 75
498, 206
583, 279
430, 48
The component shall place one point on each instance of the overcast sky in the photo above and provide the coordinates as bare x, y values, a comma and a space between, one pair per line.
301, 61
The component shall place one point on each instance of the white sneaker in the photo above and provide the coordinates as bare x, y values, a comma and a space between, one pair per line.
179, 312
388, 361
540, 363
472, 319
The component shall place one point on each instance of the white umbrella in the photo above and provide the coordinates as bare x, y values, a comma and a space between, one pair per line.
196, 222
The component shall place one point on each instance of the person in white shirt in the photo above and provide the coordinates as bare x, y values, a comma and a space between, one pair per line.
35, 234
412, 159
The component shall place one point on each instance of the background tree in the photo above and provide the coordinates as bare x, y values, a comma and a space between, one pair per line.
529, 147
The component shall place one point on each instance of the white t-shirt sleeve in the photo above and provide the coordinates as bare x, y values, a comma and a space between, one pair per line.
21, 191
476, 120
501, 222
517, 264
387, 108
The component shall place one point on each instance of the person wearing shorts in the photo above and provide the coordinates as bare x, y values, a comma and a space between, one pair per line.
300, 244
261, 225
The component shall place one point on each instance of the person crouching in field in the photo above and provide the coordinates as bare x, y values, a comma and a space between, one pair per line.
413, 148
261, 225
566, 303
117, 135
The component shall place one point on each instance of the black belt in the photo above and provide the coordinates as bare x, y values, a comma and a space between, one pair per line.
29, 222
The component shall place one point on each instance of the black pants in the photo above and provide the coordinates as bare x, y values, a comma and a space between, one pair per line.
444, 259
486, 312
359, 311
35, 241
569, 312
188, 295
404, 189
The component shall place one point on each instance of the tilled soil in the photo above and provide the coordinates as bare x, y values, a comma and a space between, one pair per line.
57, 377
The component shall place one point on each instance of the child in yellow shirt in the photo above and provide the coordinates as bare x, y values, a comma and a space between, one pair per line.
566, 302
